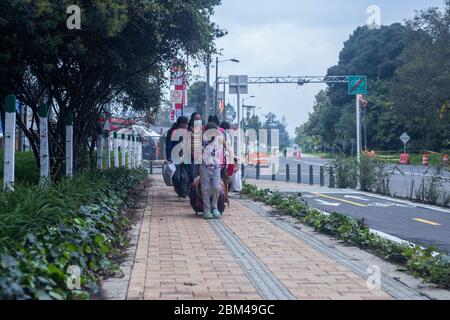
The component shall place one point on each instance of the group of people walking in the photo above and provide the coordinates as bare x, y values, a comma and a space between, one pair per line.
205, 152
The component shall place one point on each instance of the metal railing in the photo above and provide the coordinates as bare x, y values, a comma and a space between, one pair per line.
323, 172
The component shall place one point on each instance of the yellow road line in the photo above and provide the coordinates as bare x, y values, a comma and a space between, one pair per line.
427, 222
342, 200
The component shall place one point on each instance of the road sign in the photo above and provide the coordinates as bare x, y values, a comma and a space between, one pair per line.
357, 85
405, 138
238, 81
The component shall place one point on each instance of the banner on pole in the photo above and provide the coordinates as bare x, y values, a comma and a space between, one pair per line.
176, 96
178, 90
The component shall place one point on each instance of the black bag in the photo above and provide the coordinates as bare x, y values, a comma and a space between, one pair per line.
180, 181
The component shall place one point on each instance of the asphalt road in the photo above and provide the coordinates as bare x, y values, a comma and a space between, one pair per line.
415, 223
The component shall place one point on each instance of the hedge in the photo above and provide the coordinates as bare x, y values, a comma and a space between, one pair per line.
78, 222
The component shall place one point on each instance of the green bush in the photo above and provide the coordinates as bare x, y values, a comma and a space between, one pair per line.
346, 171
26, 172
78, 222
432, 189
374, 175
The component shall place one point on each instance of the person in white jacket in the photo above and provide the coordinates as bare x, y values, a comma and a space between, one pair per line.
215, 149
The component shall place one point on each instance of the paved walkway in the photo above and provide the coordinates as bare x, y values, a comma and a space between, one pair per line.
242, 256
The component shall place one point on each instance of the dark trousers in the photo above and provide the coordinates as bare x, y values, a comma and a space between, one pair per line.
191, 170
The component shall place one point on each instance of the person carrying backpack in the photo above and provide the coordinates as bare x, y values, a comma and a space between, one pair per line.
172, 139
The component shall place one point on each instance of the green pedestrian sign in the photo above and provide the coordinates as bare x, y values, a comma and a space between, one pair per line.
357, 85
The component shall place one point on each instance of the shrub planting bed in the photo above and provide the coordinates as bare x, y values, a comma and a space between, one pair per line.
77, 224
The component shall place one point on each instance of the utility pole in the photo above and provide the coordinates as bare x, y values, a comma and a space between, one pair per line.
217, 84
224, 103
358, 130
208, 66
365, 129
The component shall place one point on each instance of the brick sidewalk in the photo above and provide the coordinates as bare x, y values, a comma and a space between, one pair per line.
180, 256
307, 273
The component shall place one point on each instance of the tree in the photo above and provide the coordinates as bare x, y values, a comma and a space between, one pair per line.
119, 55
377, 54
162, 118
322, 121
253, 122
408, 67
271, 122
304, 140
421, 84
197, 97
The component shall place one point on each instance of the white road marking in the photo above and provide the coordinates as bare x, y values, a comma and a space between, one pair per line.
405, 205
356, 197
404, 202
380, 205
312, 163
326, 203
387, 205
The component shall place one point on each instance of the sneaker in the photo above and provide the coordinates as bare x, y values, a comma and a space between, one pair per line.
209, 216
216, 214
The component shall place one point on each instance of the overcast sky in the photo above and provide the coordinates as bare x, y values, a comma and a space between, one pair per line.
294, 37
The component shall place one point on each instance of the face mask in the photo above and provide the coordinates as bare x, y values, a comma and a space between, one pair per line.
197, 125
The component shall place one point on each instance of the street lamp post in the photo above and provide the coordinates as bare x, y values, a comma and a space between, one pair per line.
243, 121
208, 63
216, 99
254, 111
254, 108
224, 104
244, 106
